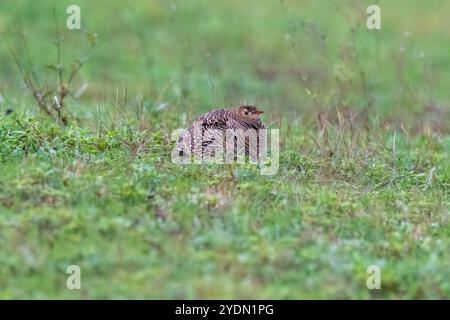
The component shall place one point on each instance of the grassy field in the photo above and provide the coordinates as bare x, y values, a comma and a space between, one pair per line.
364, 171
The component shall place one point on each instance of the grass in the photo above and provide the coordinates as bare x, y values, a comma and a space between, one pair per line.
364, 171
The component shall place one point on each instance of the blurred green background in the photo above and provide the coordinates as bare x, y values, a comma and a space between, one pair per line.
292, 55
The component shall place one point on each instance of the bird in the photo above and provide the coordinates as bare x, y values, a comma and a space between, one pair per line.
211, 130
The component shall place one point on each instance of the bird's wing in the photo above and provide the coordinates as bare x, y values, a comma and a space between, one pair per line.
209, 125
216, 119
213, 125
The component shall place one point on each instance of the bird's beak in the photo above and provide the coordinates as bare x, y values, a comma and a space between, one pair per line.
259, 111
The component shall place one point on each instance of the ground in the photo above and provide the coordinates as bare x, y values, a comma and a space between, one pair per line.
363, 176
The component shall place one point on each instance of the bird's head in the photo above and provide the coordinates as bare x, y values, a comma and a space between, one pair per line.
249, 112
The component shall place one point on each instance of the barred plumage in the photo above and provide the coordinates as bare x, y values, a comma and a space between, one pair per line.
208, 134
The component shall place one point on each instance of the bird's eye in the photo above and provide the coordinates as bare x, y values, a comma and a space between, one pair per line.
247, 113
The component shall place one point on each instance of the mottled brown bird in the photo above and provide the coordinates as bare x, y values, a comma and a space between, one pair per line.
209, 131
